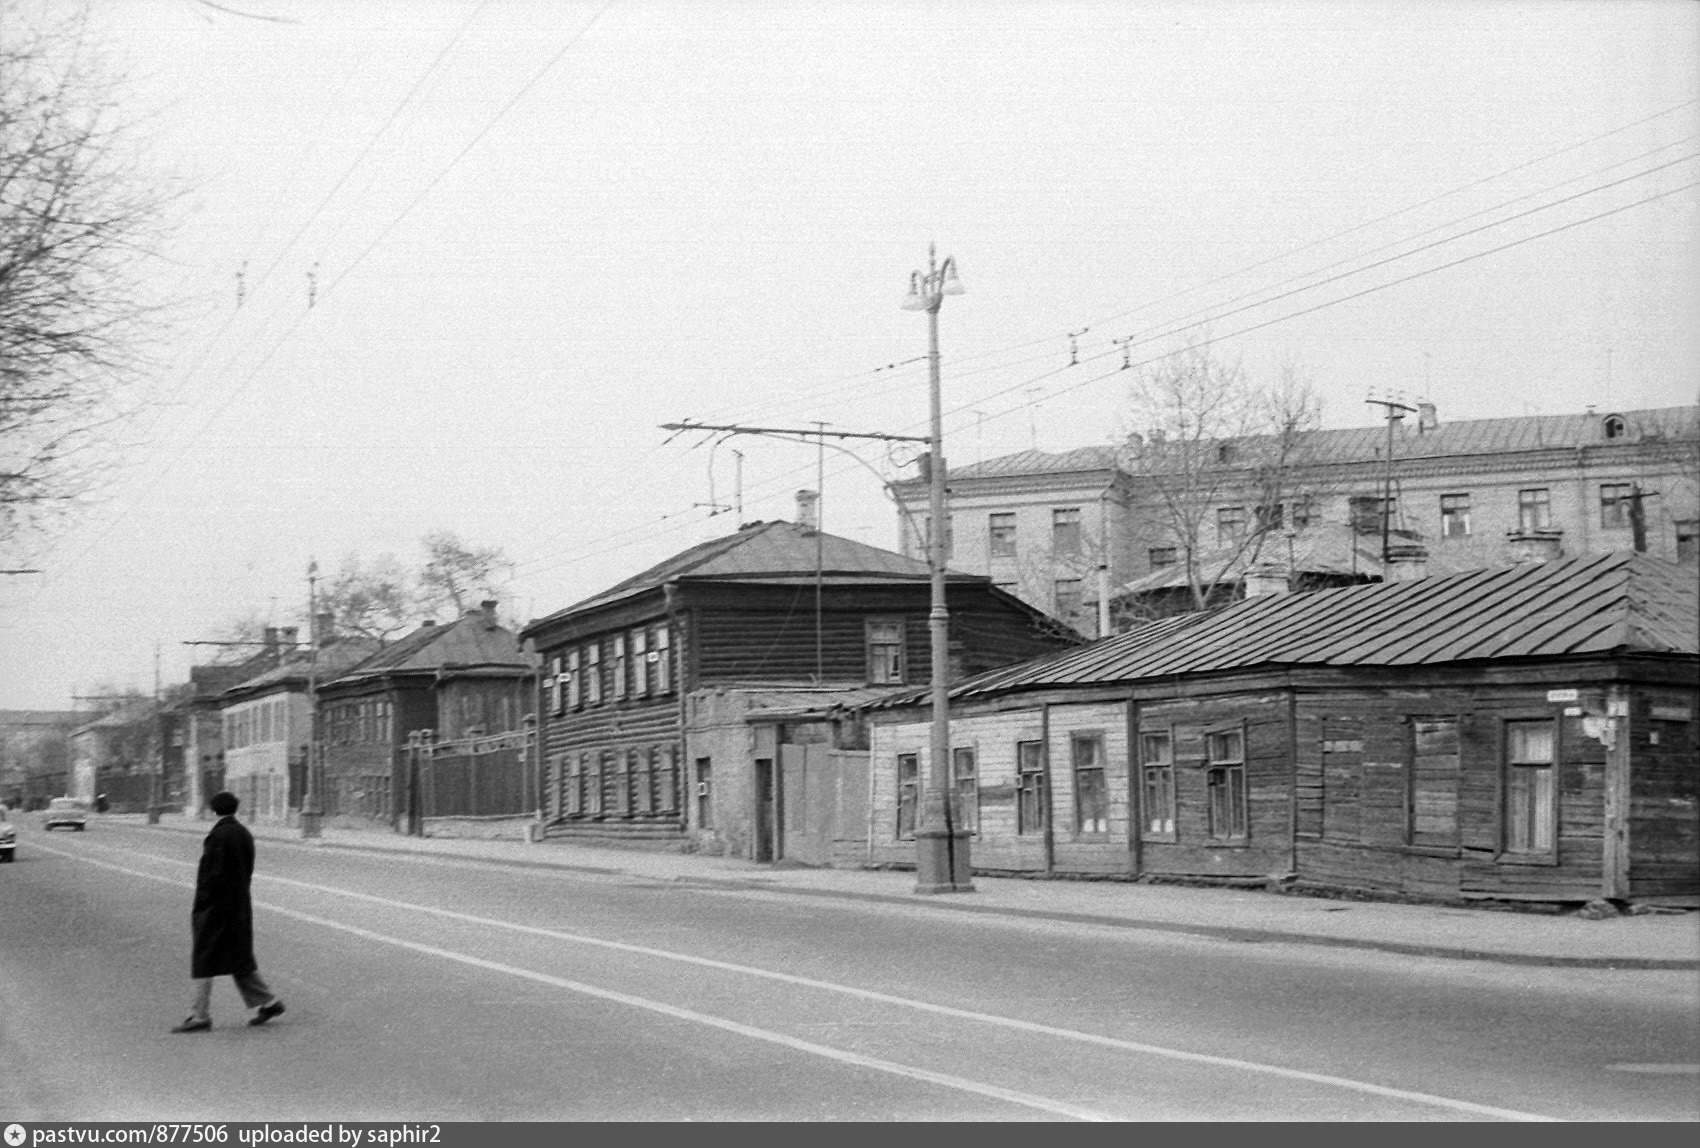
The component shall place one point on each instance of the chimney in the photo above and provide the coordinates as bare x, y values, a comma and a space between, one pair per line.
808, 503
270, 640
488, 607
324, 628
1427, 419
286, 636
1265, 580
1406, 562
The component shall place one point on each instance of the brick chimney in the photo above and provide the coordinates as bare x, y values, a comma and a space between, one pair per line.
287, 636
1427, 420
808, 507
488, 609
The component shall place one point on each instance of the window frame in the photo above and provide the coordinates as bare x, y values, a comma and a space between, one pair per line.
593, 673
1173, 559
661, 648
622, 684
1530, 509
1095, 738
1614, 509
1001, 534
1455, 514
1508, 851
961, 792
1171, 834
901, 648
1233, 524
1068, 532
908, 793
1030, 787
1455, 840
1233, 783
1076, 594
575, 680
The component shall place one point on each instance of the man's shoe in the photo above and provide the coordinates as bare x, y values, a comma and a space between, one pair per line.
267, 1012
192, 1024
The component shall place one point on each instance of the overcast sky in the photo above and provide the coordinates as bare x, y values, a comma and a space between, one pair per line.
539, 230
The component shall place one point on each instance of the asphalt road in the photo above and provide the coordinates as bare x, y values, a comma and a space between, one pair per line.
426, 989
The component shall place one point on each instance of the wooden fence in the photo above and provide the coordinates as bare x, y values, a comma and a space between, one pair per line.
479, 776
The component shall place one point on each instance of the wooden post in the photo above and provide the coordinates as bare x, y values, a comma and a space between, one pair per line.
1614, 862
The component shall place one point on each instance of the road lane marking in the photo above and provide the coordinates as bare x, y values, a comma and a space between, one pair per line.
1035, 1027
1657, 1069
842, 1056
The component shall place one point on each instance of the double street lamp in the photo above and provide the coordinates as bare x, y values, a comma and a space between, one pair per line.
941, 841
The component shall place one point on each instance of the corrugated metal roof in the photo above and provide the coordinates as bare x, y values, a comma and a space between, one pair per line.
1367, 444
1612, 603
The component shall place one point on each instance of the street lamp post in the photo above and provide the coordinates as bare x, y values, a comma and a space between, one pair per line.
312, 813
941, 844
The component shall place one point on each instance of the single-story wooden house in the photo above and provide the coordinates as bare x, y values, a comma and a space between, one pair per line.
1526, 733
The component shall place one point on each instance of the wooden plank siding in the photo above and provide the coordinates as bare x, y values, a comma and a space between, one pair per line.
1664, 815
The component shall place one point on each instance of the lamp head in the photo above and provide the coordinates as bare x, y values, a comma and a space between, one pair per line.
951, 284
916, 300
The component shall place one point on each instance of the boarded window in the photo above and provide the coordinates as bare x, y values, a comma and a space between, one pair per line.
1157, 763
908, 793
1226, 785
1434, 781
1091, 794
965, 781
1030, 787
1531, 797
1342, 772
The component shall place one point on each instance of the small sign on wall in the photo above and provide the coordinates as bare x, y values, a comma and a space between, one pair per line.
1557, 696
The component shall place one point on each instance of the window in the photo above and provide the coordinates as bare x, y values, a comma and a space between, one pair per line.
1614, 505
908, 793
640, 663
1534, 509
1531, 797
886, 655
1157, 760
1162, 556
1230, 524
1030, 788
620, 680
1370, 514
1065, 532
589, 795
1091, 798
1688, 540
1001, 536
661, 649
643, 779
555, 684
1271, 516
705, 793
1454, 516
1225, 781
575, 683
1071, 600
1304, 510
593, 673
965, 780
1614, 426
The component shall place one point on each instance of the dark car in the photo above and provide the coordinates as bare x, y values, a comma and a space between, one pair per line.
8, 836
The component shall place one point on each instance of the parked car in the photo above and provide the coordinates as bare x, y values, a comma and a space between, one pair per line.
67, 811
8, 836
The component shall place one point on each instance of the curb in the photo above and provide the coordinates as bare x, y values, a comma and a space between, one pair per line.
1214, 932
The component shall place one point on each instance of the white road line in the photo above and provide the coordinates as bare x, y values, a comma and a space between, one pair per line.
855, 1059
1361, 1086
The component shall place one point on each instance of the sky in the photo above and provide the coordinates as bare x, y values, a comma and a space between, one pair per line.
487, 249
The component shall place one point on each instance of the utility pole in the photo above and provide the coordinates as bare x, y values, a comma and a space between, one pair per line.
1395, 411
312, 813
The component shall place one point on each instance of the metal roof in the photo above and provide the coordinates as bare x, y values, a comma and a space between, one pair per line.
1367, 444
471, 640
768, 552
1605, 604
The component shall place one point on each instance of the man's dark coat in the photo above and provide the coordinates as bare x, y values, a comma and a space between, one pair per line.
223, 916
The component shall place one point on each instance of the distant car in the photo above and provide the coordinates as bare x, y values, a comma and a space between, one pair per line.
67, 811
8, 836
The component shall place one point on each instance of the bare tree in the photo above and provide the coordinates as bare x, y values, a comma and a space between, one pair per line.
1217, 456
456, 575
79, 223
374, 599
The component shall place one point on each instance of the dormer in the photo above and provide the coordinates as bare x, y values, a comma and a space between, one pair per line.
1614, 427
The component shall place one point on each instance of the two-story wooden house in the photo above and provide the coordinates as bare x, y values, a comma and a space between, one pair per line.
776, 605
457, 680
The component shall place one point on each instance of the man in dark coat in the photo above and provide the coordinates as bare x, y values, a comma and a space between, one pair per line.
223, 921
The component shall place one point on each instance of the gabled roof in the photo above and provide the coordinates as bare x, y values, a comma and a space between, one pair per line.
1367, 444
1617, 603
767, 553
334, 658
472, 641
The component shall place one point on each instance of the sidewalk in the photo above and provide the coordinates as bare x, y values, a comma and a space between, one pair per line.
1654, 941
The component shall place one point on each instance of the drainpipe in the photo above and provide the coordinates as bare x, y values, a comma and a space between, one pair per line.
1104, 561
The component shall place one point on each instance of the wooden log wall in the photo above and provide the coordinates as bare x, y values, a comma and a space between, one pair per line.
1664, 820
